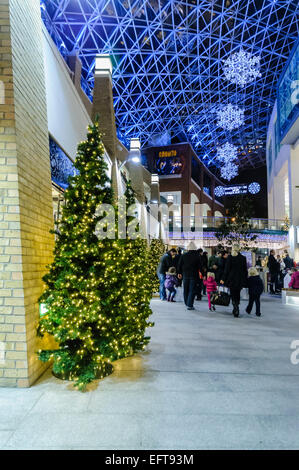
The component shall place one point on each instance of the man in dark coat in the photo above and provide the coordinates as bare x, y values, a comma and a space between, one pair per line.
274, 269
188, 268
167, 261
289, 263
235, 276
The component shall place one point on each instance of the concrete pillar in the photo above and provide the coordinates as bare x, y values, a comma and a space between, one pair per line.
26, 215
103, 106
75, 65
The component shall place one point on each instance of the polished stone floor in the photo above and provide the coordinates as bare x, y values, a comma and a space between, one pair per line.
207, 381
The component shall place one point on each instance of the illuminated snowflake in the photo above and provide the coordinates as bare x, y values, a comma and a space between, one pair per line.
227, 153
229, 171
230, 117
219, 191
242, 68
254, 188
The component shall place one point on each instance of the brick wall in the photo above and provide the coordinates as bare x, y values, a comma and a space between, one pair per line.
26, 213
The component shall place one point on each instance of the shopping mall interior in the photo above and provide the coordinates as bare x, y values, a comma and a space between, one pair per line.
149, 155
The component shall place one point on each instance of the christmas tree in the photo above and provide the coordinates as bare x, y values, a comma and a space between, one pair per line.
93, 312
157, 249
138, 292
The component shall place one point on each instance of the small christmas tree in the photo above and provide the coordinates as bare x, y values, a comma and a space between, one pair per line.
157, 249
135, 302
238, 229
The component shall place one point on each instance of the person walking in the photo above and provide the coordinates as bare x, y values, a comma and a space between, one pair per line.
221, 266
199, 286
211, 286
274, 269
189, 266
171, 282
204, 269
255, 289
166, 262
235, 276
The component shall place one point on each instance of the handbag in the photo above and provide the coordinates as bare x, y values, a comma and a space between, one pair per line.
221, 297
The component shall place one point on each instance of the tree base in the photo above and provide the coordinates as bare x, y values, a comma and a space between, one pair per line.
104, 371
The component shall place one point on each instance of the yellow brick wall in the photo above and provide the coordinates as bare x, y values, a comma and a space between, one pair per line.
26, 213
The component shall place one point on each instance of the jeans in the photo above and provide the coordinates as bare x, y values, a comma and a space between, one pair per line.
189, 291
172, 292
162, 278
253, 299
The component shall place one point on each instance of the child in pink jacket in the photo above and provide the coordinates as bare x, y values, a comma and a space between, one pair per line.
211, 286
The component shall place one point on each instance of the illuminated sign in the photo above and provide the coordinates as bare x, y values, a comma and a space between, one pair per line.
237, 189
169, 163
167, 153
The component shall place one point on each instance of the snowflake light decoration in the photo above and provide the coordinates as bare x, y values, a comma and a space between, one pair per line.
254, 188
227, 153
229, 171
242, 68
219, 191
230, 117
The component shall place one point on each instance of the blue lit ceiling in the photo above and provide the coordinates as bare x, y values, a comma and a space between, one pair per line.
167, 58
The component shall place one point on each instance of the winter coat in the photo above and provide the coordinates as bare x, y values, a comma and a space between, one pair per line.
213, 260
219, 272
166, 262
295, 280
273, 265
204, 262
289, 263
255, 286
189, 265
171, 281
235, 272
210, 284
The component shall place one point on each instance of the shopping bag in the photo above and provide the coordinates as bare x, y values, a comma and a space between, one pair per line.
221, 297
179, 296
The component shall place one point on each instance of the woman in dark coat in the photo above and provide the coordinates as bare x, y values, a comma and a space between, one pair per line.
235, 276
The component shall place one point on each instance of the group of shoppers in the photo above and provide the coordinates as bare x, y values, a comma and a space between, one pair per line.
201, 274
278, 268
197, 272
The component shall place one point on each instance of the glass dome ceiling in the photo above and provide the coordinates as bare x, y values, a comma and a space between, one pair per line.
168, 64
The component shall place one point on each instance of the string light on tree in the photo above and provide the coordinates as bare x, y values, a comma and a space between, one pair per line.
242, 68
97, 290
230, 117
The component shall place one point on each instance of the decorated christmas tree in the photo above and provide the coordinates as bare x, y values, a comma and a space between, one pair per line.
157, 249
138, 291
93, 313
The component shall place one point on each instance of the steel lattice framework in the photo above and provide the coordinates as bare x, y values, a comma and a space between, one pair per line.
168, 64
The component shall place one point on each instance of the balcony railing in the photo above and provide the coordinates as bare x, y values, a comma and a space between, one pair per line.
185, 223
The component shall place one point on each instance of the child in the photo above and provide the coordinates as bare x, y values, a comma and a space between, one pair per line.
287, 278
294, 284
171, 282
211, 286
255, 288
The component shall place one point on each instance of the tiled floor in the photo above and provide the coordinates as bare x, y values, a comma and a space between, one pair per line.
207, 381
